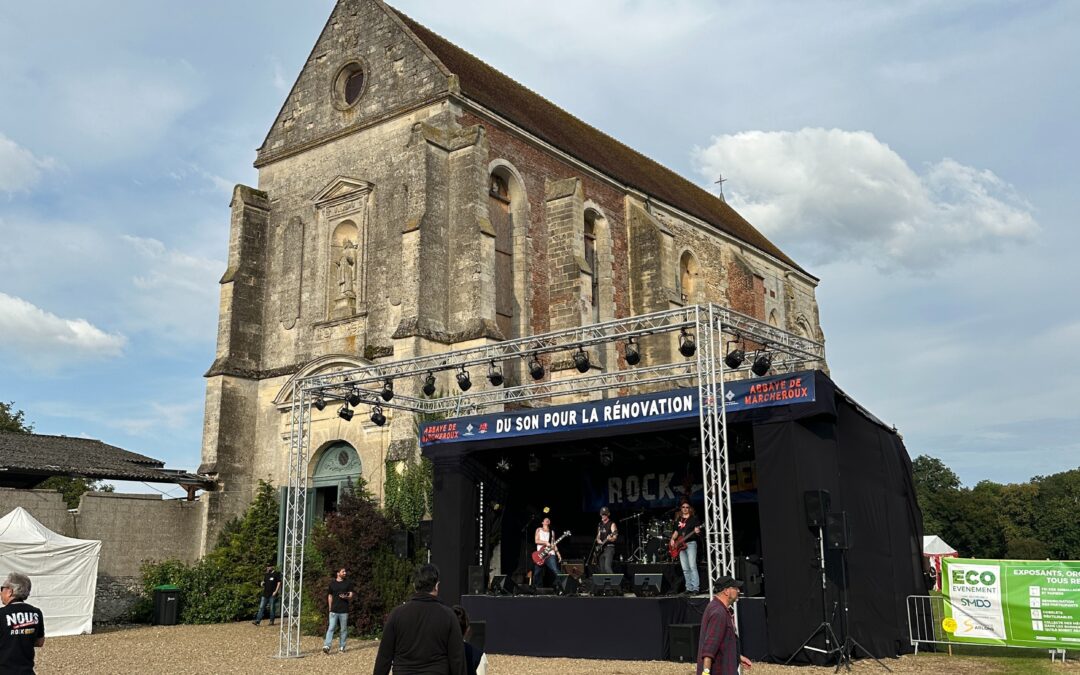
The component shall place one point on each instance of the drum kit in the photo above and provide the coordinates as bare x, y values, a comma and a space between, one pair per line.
652, 538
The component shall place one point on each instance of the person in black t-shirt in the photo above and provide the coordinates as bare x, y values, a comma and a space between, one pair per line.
271, 586
606, 535
22, 627
338, 597
687, 531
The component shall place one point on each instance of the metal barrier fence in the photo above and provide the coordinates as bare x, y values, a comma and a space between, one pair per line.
926, 616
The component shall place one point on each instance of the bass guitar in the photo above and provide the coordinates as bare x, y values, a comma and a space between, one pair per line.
540, 555
680, 544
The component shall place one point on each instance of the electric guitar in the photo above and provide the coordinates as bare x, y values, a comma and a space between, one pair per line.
540, 556
680, 544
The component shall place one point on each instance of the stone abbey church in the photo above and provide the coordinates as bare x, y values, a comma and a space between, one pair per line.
411, 200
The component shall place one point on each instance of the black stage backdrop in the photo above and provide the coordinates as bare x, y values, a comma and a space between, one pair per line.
831, 444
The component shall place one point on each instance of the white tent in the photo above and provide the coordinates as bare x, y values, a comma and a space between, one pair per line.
935, 548
62, 571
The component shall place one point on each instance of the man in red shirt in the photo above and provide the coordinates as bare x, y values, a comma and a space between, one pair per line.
718, 650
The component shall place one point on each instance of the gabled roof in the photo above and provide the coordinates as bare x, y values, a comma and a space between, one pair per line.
532, 112
25, 455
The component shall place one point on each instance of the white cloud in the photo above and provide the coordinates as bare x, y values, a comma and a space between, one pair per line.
830, 194
19, 168
43, 339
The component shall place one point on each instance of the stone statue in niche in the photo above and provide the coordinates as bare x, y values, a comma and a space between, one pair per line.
346, 265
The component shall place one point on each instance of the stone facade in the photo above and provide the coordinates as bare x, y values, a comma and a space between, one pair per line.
410, 219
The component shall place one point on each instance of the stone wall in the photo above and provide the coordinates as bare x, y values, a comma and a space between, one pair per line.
132, 528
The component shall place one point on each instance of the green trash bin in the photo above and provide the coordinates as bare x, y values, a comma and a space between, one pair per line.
166, 605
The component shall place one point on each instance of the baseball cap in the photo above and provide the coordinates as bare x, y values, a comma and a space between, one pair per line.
728, 582
605, 511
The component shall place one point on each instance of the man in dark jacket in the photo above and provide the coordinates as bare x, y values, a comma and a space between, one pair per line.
422, 636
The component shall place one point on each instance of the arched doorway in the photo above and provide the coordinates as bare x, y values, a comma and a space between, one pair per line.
337, 466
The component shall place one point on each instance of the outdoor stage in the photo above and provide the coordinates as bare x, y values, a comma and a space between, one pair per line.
626, 628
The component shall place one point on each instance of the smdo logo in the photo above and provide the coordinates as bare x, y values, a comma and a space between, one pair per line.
981, 603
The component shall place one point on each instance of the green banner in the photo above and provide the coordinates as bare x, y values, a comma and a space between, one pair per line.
1017, 603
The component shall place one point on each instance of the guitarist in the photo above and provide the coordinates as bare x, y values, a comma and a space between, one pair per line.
543, 538
687, 532
606, 535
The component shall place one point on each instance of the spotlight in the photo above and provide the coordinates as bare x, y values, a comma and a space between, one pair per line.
320, 403
735, 357
345, 413
536, 368
354, 398
581, 360
495, 376
387, 392
377, 417
633, 356
534, 463
503, 465
762, 364
429, 385
463, 381
495, 506
687, 345
546, 509
606, 457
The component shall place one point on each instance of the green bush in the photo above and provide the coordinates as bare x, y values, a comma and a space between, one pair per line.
224, 586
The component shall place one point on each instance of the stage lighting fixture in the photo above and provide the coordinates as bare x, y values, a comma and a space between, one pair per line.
606, 456
377, 416
503, 464
534, 463
581, 360
463, 381
495, 376
633, 356
762, 364
536, 368
734, 357
429, 385
320, 403
546, 509
345, 413
354, 397
387, 392
687, 345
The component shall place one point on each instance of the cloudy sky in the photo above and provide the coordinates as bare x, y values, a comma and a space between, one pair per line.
919, 157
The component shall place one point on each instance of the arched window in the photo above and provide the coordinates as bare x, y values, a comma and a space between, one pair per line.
502, 219
688, 278
590, 261
337, 467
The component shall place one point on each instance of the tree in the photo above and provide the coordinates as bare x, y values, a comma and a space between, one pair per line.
13, 420
1056, 522
73, 487
937, 488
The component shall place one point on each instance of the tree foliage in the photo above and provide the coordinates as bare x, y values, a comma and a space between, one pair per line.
14, 420
407, 492
224, 585
74, 487
1022, 521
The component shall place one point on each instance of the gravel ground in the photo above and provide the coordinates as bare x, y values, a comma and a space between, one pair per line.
244, 648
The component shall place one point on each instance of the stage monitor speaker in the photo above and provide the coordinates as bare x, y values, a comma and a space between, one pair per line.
566, 584
477, 634
683, 642
649, 584
501, 584
477, 582
817, 504
837, 536
524, 589
748, 571
607, 584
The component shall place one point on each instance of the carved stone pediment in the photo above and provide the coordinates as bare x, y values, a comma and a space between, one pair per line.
342, 195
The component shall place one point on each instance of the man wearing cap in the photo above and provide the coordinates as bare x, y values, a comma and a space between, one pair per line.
718, 653
605, 539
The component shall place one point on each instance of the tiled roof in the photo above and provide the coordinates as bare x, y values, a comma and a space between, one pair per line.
532, 112
69, 456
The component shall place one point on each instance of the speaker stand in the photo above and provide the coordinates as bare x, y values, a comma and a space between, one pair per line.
833, 646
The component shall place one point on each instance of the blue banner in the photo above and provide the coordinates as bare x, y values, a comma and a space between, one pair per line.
638, 409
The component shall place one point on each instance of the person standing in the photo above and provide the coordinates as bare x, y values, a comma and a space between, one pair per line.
543, 538
688, 527
22, 627
271, 586
606, 535
422, 636
718, 650
475, 658
338, 598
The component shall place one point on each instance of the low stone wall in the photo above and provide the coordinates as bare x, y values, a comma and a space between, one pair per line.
132, 528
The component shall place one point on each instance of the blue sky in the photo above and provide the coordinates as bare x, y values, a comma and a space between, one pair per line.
920, 158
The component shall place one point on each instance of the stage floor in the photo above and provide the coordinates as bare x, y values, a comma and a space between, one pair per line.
581, 626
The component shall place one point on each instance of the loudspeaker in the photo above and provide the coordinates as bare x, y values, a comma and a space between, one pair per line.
501, 584
607, 584
399, 541
683, 642
748, 571
566, 584
425, 534
817, 505
477, 634
477, 582
575, 568
836, 531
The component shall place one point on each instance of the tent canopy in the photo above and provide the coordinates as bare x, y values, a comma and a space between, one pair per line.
62, 570
935, 545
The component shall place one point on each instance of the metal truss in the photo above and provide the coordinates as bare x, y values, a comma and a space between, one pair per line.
712, 327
